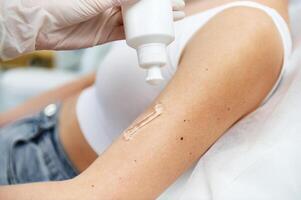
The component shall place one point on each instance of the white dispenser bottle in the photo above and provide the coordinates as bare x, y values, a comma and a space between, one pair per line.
149, 29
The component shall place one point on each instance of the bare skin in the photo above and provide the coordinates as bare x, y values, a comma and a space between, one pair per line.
228, 81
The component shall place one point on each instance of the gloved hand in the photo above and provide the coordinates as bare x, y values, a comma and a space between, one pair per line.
30, 25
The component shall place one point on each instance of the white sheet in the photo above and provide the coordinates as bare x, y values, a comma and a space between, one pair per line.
295, 15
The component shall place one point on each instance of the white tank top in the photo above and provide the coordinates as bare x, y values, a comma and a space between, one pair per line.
120, 93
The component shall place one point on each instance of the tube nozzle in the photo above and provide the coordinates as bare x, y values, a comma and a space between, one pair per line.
154, 75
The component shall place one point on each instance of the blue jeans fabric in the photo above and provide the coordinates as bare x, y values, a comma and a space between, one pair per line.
30, 151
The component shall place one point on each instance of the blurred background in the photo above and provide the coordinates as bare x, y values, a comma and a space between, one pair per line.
30, 75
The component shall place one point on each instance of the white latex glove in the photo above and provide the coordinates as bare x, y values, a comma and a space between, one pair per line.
29, 25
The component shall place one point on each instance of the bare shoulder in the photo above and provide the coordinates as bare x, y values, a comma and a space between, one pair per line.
281, 6
196, 6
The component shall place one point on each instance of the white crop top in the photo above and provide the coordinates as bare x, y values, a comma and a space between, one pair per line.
120, 93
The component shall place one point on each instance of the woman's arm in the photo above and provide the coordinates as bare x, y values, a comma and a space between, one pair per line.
225, 72
36, 103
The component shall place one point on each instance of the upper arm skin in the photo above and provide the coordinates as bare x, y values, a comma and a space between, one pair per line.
226, 71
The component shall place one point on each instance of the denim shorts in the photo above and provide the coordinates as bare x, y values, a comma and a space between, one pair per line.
30, 150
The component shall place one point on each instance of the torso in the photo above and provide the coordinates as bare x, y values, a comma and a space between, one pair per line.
73, 140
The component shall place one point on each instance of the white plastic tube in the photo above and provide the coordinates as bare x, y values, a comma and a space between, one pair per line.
149, 29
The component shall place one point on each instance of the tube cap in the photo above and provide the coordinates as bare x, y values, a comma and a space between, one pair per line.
154, 75
152, 57
152, 54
